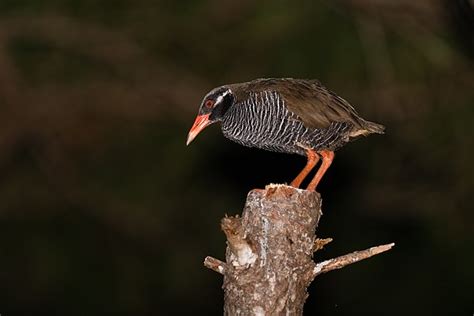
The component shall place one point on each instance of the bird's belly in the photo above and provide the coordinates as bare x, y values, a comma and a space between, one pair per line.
274, 128
276, 136
294, 139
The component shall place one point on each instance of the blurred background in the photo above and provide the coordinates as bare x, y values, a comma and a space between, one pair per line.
103, 209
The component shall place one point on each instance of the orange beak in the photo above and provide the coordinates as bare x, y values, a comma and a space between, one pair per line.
199, 124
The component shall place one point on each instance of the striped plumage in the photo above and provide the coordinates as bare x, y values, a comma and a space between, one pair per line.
263, 121
284, 115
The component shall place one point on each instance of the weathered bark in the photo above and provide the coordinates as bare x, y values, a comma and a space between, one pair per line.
269, 255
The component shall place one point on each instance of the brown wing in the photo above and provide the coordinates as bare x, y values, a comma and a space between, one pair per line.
317, 106
314, 104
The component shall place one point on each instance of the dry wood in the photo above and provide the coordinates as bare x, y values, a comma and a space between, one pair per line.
342, 261
269, 261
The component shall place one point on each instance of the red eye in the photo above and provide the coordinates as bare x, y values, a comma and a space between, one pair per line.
209, 104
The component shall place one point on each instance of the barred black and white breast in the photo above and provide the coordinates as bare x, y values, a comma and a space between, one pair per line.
283, 115
264, 121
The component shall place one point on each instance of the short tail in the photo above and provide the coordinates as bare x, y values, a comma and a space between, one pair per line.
372, 127
365, 128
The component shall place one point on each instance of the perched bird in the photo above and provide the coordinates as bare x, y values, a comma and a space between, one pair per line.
284, 115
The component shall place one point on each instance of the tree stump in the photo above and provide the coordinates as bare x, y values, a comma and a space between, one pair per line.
269, 263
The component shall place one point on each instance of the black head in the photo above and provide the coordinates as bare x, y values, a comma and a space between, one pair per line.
216, 103
213, 108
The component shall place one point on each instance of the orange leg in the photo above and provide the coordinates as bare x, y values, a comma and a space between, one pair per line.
328, 156
313, 158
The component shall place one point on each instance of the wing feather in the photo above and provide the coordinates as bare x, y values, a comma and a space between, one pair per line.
315, 105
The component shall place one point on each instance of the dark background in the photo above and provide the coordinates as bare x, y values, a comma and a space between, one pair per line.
103, 209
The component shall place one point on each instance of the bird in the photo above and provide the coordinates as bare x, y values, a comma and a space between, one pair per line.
286, 115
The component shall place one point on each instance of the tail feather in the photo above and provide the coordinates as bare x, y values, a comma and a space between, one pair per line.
374, 127
366, 128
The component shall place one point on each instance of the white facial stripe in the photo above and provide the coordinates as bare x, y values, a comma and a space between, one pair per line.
222, 96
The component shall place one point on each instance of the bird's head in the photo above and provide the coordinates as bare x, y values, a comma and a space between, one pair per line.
213, 107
